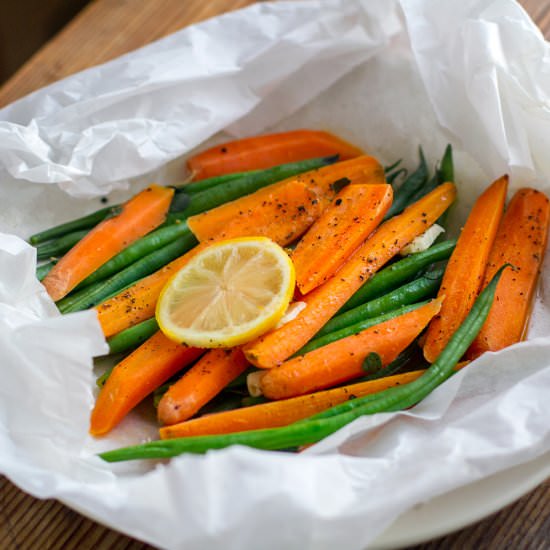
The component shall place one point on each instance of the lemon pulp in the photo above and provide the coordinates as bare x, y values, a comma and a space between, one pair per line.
228, 294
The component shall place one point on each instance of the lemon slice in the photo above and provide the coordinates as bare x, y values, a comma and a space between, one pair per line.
228, 294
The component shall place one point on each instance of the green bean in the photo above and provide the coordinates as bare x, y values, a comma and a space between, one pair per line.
132, 337
403, 196
59, 246
208, 183
323, 424
86, 222
419, 289
446, 170
399, 364
390, 178
44, 269
147, 244
392, 167
409, 394
94, 294
350, 330
234, 189
444, 173
397, 273
100, 380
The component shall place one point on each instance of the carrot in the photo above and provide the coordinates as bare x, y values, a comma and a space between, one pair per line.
344, 359
138, 302
354, 213
200, 384
273, 348
288, 198
464, 273
135, 377
140, 215
283, 412
265, 151
521, 242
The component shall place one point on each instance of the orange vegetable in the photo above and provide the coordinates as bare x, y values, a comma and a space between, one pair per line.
140, 215
464, 273
136, 376
266, 151
343, 359
283, 412
353, 215
322, 303
520, 241
298, 200
138, 302
200, 384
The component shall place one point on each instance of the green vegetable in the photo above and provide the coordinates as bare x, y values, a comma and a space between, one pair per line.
350, 330
44, 269
403, 196
208, 183
446, 171
323, 424
397, 273
94, 294
86, 222
142, 247
372, 363
419, 289
390, 178
132, 337
392, 167
59, 246
236, 188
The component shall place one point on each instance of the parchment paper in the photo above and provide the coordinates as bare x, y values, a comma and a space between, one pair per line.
387, 76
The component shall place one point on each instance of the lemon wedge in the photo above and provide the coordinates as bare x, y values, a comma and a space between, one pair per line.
228, 294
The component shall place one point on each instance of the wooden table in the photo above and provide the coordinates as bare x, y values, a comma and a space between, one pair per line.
106, 29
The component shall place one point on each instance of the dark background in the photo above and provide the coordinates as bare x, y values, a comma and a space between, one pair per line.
27, 24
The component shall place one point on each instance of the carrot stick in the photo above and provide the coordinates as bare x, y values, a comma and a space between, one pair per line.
353, 215
273, 348
283, 412
140, 215
464, 273
287, 199
521, 242
265, 151
200, 384
344, 359
135, 377
138, 302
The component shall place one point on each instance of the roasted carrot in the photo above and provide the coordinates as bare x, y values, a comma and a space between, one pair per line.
322, 303
136, 376
265, 151
521, 242
288, 198
283, 412
138, 302
140, 215
353, 215
200, 384
464, 273
344, 359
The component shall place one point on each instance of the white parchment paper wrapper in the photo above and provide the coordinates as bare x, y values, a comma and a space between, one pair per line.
386, 76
